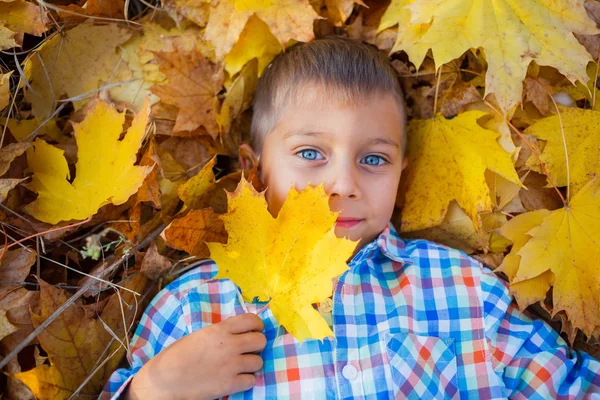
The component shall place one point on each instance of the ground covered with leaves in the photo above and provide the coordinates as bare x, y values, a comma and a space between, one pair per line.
121, 131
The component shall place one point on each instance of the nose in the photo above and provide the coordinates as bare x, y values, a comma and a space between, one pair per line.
343, 182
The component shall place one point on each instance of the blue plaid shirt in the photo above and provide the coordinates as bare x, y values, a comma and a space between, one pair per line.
411, 319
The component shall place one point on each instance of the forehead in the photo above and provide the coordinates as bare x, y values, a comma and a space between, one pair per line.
318, 108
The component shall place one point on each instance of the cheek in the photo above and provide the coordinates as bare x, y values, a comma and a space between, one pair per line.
382, 196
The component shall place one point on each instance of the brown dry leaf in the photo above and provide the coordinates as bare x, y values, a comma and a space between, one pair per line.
189, 233
153, 264
149, 191
287, 19
7, 155
185, 158
75, 343
18, 17
538, 91
6, 328
194, 10
93, 8
537, 196
14, 267
193, 84
454, 100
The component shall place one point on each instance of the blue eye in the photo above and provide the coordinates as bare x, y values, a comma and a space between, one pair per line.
373, 160
310, 154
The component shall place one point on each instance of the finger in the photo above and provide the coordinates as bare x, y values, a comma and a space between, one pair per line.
244, 323
243, 382
249, 363
250, 342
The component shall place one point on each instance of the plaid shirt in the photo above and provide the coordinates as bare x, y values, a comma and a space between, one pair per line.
411, 319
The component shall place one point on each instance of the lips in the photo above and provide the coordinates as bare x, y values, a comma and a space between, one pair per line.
347, 222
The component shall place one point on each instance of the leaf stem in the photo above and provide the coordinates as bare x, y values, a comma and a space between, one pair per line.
542, 165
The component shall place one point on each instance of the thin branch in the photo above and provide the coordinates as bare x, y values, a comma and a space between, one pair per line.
77, 295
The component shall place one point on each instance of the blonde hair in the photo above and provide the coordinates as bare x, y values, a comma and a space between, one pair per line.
349, 71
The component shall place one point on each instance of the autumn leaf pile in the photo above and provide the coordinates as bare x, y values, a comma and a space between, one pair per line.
121, 131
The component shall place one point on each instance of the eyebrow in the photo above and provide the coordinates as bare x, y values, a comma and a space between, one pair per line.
374, 141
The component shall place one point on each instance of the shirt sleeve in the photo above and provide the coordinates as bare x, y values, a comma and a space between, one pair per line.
531, 358
161, 325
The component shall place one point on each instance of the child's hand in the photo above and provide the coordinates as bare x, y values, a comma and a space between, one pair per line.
212, 362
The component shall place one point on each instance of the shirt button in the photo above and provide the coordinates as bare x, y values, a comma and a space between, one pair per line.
326, 305
349, 372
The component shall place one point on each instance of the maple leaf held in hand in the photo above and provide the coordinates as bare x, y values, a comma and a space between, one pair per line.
105, 167
289, 261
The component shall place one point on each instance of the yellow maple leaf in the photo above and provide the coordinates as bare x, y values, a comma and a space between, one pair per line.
105, 167
567, 243
76, 341
447, 160
582, 137
511, 33
289, 261
287, 19
239, 96
193, 84
255, 41
72, 63
529, 291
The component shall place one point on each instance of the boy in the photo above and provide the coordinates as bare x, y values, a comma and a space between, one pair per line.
411, 318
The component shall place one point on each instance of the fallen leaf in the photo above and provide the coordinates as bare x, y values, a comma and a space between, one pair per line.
102, 177
149, 191
192, 85
194, 10
7, 155
18, 17
512, 34
75, 342
14, 267
338, 11
188, 233
536, 196
256, 41
447, 160
5, 90
539, 92
69, 64
196, 191
287, 19
6, 328
566, 243
582, 137
23, 129
93, 8
532, 290
289, 261
154, 265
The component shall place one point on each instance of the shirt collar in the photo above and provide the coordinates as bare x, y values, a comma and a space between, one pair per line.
389, 243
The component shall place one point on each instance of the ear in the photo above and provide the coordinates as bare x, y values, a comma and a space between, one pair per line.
247, 157
404, 163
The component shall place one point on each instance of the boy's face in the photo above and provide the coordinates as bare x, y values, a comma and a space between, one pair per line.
354, 149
